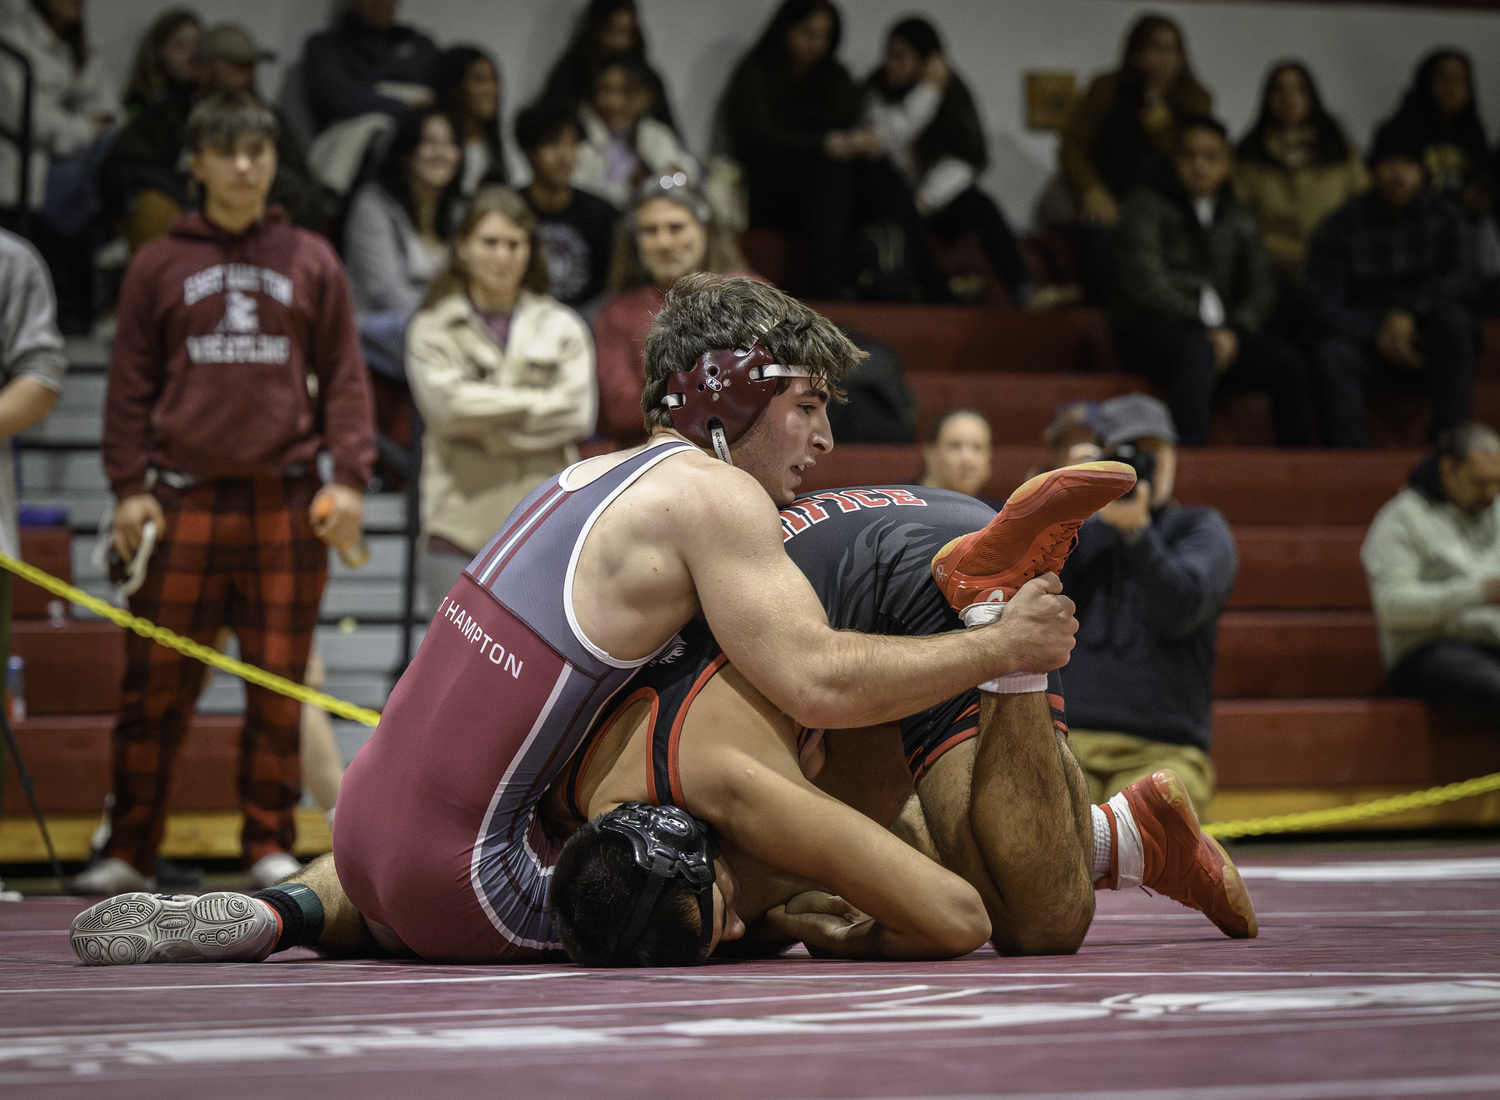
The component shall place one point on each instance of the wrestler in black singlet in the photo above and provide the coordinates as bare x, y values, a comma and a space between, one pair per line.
868, 554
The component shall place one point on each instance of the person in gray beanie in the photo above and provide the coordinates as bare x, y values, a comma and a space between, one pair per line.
1150, 578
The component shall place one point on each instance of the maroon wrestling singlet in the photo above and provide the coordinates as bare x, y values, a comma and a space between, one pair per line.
437, 834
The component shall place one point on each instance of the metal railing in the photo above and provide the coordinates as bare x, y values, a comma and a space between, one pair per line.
21, 137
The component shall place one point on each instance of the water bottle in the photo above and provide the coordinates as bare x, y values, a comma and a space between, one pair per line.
15, 687
356, 556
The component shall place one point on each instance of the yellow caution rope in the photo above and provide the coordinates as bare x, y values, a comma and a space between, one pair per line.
207, 654
1280, 823
1343, 815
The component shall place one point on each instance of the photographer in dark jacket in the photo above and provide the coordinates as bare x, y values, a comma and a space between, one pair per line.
1150, 578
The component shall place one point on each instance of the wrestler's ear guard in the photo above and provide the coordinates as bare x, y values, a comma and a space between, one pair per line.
714, 402
667, 843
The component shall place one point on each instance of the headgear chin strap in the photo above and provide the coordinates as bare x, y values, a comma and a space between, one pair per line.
724, 392
667, 843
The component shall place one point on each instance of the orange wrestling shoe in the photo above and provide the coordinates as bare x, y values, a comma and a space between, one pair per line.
1033, 534
1181, 861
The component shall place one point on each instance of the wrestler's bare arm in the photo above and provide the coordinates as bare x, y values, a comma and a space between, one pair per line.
739, 773
918, 909
767, 617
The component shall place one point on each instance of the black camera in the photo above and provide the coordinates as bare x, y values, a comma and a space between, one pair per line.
1142, 462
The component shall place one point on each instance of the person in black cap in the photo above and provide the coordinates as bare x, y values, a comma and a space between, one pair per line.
1150, 577
1389, 294
145, 176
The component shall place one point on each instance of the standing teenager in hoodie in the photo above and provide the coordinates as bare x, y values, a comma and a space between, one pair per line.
235, 363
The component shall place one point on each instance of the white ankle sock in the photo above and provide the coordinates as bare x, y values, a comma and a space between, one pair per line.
1103, 845
1131, 857
982, 614
1016, 683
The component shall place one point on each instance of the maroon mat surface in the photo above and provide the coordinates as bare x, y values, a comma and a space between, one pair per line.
1374, 976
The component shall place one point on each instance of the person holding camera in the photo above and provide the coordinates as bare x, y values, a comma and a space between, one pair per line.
1150, 578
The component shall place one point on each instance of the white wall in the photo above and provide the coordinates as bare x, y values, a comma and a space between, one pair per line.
1363, 55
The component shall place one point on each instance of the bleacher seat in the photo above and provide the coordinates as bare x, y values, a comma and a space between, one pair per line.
1302, 717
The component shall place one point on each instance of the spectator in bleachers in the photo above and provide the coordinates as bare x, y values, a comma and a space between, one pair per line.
577, 228
32, 365
792, 113
1150, 578
212, 428
1432, 557
74, 99
671, 232
1122, 132
956, 454
163, 66
144, 177
621, 143
1072, 435
367, 63
466, 84
74, 108
1389, 287
504, 378
1295, 166
605, 28
1194, 289
395, 235
924, 117
1440, 107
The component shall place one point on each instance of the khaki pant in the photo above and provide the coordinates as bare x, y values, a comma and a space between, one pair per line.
1113, 761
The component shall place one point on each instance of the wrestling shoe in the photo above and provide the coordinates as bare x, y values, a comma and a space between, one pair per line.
1154, 827
161, 928
1033, 534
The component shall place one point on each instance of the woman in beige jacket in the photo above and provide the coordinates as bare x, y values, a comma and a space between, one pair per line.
1295, 166
504, 378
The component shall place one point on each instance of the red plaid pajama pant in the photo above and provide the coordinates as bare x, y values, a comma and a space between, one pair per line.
236, 552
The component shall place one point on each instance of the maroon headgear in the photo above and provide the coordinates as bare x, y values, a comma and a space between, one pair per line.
715, 401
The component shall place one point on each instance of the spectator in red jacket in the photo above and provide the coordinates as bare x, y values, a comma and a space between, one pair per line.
235, 362
670, 232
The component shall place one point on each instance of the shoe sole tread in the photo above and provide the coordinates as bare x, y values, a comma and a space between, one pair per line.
137, 928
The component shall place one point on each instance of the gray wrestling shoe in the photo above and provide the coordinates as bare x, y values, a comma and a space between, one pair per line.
158, 928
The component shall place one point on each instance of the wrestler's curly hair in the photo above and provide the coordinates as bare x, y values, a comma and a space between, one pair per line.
593, 885
704, 311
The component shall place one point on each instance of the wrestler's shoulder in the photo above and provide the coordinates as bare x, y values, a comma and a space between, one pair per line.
693, 486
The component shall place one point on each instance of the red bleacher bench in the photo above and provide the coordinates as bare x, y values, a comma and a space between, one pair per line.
69, 758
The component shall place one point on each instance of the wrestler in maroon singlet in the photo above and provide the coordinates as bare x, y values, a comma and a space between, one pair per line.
436, 836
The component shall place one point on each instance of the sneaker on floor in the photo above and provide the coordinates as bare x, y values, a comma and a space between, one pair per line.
147, 928
8, 895
1182, 861
274, 868
1033, 534
109, 877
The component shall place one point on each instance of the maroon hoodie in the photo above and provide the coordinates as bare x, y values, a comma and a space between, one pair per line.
236, 355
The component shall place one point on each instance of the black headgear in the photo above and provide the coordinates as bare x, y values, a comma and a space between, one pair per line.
668, 843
